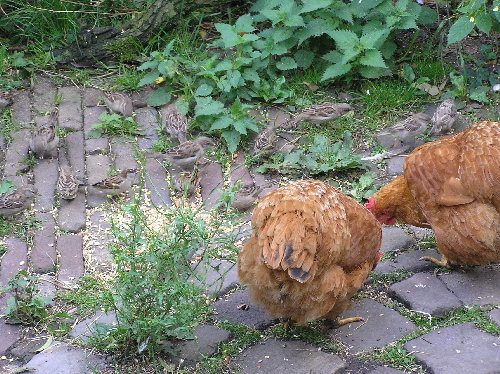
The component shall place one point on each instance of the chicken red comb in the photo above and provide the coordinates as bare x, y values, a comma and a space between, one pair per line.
370, 205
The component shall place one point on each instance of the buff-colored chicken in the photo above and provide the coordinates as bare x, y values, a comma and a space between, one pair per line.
311, 249
451, 185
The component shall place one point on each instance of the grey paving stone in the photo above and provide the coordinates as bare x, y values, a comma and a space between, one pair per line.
237, 308
67, 359
46, 173
43, 253
44, 94
495, 316
98, 257
90, 326
91, 118
10, 334
425, 293
239, 172
155, 180
75, 151
291, 357
409, 261
25, 348
475, 285
386, 370
147, 119
394, 238
220, 276
91, 96
14, 260
21, 110
97, 146
123, 154
97, 169
211, 182
206, 343
395, 165
381, 326
457, 349
72, 213
70, 108
69, 249
17, 153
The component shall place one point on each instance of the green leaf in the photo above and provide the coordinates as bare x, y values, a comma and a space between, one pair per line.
460, 29
344, 39
228, 36
312, 5
479, 94
304, 58
149, 78
282, 33
286, 63
222, 123
484, 22
207, 106
244, 24
203, 90
94, 133
153, 64
6, 186
374, 58
294, 21
373, 72
232, 139
373, 39
160, 96
240, 126
335, 70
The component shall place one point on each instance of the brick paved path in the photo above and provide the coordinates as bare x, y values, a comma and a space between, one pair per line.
58, 248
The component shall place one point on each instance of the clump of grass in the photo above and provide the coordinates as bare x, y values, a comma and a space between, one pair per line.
385, 280
114, 125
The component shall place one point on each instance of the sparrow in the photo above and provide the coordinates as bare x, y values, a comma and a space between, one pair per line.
244, 198
186, 154
44, 139
118, 102
408, 128
187, 182
118, 183
318, 114
67, 184
444, 117
265, 142
15, 201
175, 122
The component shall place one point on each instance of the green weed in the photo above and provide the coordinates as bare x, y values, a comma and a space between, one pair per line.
114, 125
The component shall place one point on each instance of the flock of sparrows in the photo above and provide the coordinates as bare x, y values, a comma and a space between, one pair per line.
409, 128
186, 157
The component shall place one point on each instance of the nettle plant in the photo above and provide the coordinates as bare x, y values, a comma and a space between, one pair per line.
252, 58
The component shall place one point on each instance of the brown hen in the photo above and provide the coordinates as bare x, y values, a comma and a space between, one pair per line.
311, 249
451, 185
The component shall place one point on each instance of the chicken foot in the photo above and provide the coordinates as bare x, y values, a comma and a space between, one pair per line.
443, 262
336, 323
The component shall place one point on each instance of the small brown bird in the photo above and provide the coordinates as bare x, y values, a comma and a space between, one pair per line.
118, 102
245, 197
17, 200
67, 184
406, 129
186, 154
175, 122
318, 114
44, 139
187, 182
118, 183
265, 142
444, 117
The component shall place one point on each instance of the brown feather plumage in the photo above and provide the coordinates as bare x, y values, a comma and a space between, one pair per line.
452, 185
310, 250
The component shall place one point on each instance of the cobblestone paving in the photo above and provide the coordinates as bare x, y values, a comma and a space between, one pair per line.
57, 248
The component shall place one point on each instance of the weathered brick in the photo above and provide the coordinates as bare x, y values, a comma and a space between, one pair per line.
14, 260
70, 252
211, 182
147, 119
91, 117
155, 180
239, 172
44, 95
46, 173
70, 109
99, 259
75, 152
16, 153
97, 169
43, 253
91, 96
72, 214
123, 154
21, 113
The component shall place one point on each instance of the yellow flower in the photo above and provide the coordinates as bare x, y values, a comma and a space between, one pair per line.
159, 80
471, 19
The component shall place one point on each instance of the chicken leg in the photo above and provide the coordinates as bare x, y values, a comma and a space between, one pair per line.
443, 262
